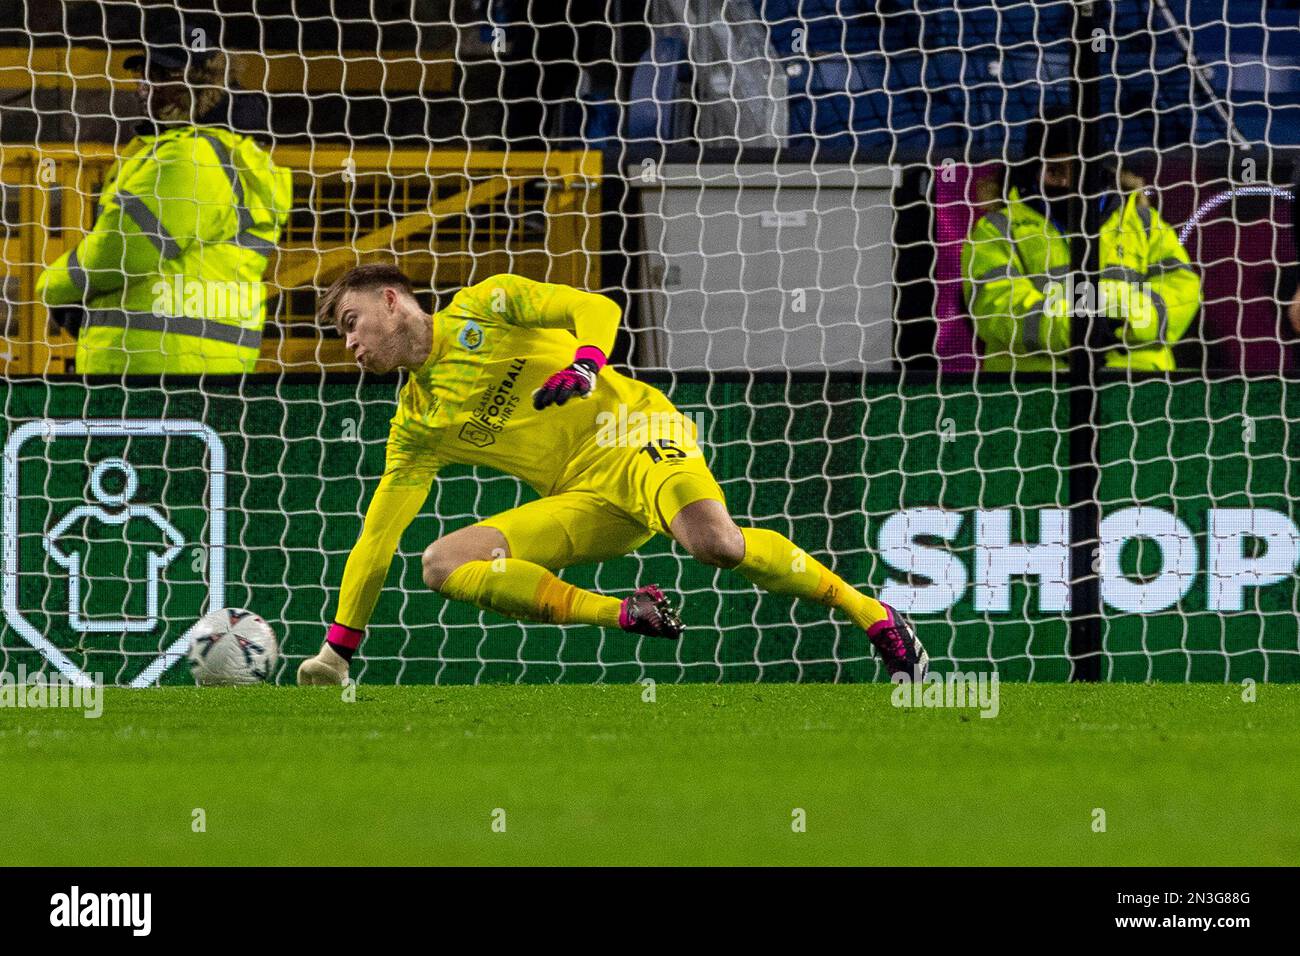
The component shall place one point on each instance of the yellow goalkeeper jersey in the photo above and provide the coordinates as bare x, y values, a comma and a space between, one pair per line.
471, 403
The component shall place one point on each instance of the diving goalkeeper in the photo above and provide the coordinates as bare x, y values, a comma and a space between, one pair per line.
512, 375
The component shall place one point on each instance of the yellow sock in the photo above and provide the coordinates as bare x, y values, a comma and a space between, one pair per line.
521, 589
775, 564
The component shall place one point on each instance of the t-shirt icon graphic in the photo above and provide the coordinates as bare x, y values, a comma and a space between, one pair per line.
113, 509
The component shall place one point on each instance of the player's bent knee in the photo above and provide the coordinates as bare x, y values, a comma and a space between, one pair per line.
437, 564
475, 543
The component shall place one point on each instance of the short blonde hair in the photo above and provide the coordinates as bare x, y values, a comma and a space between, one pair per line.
372, 276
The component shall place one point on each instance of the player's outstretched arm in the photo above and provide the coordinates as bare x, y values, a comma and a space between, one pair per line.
595, 321
592, 318
398, 499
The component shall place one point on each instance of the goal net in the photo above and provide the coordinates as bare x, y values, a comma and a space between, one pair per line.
983, 303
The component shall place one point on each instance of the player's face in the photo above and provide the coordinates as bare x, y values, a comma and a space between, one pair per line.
370, 321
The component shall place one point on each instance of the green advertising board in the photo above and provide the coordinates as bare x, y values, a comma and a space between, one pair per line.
129, 512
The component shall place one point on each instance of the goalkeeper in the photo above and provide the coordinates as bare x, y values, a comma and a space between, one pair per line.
512, 375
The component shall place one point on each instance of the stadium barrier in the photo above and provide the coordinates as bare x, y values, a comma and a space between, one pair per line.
948, 499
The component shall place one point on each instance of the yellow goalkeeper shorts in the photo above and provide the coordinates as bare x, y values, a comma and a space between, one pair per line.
632, 490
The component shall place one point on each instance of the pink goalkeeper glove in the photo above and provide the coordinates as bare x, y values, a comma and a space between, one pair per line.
579, 379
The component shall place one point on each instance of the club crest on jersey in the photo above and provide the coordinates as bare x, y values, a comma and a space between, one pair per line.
471, 336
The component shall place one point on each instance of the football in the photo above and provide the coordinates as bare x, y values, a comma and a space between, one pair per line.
232, 646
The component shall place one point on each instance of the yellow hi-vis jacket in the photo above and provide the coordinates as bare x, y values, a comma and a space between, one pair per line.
171, 273
1015, 265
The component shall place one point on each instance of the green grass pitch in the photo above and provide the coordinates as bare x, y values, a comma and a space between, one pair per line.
1186, 774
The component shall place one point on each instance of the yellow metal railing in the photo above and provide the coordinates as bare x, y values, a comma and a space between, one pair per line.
448, 218
26, 69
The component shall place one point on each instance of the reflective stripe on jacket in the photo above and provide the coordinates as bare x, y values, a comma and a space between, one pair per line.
171, 272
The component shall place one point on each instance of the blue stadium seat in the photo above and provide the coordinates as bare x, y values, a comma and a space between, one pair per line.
957, 77
876, 102
1265, 95
830, 26
967, 75
999, 24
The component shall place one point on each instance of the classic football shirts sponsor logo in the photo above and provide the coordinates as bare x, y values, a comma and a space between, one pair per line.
496, 407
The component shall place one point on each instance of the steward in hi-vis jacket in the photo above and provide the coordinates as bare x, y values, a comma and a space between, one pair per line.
1016, 265
169, 279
